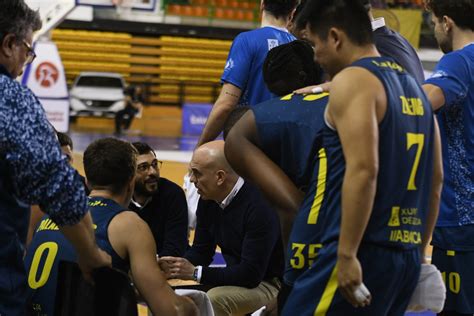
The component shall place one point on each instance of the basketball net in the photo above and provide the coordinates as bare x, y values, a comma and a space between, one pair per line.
123, 7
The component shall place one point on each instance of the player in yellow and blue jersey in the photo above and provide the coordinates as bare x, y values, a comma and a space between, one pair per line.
110, 166
284, 132
384, 173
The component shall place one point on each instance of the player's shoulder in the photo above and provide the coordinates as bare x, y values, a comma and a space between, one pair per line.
459, 58
127, 221
347, 78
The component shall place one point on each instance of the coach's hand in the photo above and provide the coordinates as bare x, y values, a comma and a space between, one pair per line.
349, 278
179, 268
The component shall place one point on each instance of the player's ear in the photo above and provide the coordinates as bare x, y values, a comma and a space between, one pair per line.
448, 24
334, 37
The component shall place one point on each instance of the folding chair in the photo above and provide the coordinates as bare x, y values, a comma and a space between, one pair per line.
111, 295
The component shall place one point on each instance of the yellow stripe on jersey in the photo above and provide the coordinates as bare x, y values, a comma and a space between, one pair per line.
320, 188
314, 97
328, 295
287, 97
451, 253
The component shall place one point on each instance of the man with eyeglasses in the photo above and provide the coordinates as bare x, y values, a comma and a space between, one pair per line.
160, 203
32, 169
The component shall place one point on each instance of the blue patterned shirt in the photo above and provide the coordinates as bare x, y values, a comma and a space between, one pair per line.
33, 169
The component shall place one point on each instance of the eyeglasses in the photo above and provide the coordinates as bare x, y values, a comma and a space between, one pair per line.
31, 55
143, 167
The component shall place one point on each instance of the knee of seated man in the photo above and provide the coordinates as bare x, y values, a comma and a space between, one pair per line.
220, 299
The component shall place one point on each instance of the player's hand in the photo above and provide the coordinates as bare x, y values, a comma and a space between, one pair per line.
349, 278
98, 259
179, 268
325, 87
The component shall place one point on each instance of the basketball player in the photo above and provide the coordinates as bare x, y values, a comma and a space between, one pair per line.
384, 173
110, 166
451, 92
275, 142
242, 82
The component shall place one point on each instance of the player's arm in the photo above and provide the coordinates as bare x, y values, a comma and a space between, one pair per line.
82, 237
436, 186
131, 237
352, 111
450, 81
435, 95
226, 102
247, 159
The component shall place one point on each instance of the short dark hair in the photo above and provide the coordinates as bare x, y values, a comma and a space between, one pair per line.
18, 19
233, 118
461, 11
279, 8
291, 66
347, 15
143, 148
298, 23
110, 163
64, 140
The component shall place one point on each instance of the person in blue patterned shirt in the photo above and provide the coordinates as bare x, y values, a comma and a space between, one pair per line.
32, 169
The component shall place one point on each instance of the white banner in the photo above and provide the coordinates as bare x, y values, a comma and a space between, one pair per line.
46, 75
57, 112
46, 78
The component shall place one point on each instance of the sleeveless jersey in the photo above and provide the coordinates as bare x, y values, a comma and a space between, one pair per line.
405, 163
49, 247
287, 129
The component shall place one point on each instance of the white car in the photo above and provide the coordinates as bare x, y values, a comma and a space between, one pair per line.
97, 93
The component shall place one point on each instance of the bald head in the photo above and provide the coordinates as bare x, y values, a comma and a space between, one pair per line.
212, 156
211, 173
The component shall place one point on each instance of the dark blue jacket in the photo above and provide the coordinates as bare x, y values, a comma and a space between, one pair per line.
248, 233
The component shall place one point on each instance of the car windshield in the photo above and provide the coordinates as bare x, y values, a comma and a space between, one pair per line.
100, 82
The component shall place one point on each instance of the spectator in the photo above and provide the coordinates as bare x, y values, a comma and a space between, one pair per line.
160, 203
133, 104
232, 215
31, 166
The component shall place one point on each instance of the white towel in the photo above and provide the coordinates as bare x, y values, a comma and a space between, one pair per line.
430, 292
200, 298
192, 198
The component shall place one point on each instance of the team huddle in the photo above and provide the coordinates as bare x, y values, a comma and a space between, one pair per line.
340, 165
